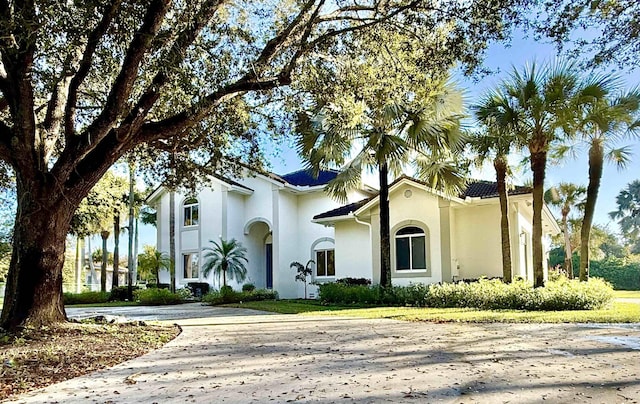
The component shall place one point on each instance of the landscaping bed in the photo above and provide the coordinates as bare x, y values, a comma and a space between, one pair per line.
38, 358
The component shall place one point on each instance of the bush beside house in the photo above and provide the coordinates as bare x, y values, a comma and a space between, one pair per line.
561, 294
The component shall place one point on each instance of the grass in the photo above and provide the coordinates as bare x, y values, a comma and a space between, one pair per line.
617, 313
626, 294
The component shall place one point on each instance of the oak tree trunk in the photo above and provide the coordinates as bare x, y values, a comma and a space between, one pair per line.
596, 159
33, 295
385, 237
500, 165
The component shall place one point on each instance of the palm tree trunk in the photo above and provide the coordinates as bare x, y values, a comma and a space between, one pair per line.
538, 167
596, 159
78, 263
568, 254
92, 267
385, 237
224, 274
103, 267
172, 239
500, 165
116, 250
130, 234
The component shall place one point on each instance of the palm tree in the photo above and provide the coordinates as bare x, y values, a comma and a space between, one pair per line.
628, 213
302, 272
497, 141
566, 196
604, 122
388, 136
226, 258
540, 103
152, 261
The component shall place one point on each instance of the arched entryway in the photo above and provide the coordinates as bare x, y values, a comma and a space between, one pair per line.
259, 252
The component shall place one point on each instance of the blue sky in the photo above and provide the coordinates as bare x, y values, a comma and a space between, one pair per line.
501, 59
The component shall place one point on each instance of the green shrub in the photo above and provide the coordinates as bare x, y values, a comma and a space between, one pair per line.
248, 287
121, 293
156, 297
185, 294
561, 294
354, 281
621, 274
230, 296
85, 297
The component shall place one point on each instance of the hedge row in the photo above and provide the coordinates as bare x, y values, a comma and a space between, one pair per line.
228, 295
561, 294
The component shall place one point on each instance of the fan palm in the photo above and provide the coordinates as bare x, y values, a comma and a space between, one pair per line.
566, 196
227, 258
496, 141
604, 123
387, 137
538, 106
628, 213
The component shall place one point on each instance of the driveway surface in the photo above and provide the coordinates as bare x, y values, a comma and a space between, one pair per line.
242, 356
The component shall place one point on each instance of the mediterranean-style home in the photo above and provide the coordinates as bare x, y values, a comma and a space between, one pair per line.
282, 219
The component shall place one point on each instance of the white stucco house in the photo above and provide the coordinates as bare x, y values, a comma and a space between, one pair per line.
282, 219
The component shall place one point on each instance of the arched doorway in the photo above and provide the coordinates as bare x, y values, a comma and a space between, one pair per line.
259, 252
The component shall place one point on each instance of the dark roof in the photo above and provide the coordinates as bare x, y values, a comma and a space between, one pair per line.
231, 182
344, 210
475, 189
303, 178
488, 189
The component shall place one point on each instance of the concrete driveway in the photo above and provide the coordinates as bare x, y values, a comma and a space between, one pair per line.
235, 355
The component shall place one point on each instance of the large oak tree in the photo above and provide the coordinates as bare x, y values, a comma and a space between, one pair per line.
84, 83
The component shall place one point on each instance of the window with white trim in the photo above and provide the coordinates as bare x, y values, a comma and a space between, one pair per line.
325, 263
190, 267
191, 215
411, 251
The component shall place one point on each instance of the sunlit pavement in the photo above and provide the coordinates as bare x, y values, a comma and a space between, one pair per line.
235, 355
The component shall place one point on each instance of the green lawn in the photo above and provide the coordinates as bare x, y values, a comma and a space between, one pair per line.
618, 313
627, 294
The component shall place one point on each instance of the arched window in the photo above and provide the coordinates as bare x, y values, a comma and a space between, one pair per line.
190, 212
411, 252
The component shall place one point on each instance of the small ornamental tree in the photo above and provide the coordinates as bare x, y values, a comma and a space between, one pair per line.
227, 258
302, 272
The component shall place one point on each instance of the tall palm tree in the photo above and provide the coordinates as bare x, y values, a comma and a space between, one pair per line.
605, 122
497, 141
227, 258
566, 196
387, 136
542, 104
628, 213
152, 261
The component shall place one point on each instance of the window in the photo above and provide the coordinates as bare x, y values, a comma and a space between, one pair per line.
411, 249
190, 266
191, 212
325, 263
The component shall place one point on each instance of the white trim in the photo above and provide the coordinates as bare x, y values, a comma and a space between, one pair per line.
257, 219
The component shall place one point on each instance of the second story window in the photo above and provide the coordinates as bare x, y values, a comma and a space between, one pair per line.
190, 212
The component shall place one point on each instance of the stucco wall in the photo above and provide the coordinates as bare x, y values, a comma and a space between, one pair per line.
477, 239
353, 250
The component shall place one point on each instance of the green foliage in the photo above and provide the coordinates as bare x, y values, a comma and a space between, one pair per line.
151, 261
622, 275
157, 297
561, 294
226, 258
86, 298
354, 281
121, 293
248, 287
628, 212
228, 295
185, 294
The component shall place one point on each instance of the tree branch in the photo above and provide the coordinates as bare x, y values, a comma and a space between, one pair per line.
85, 65
123, 84
174, 56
